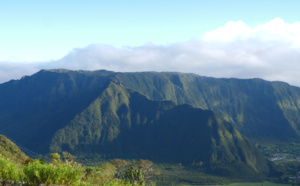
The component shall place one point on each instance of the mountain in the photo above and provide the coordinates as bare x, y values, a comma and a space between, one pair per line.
48, 100
35, 107
158, 116
260, 109
10, 150
125, 124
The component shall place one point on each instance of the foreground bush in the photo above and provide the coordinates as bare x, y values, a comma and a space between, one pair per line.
60, 174
67, 172
9, 171
99, 175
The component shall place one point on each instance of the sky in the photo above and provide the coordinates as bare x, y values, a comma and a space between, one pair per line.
216, 38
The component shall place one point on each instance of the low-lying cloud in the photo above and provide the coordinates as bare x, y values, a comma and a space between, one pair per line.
11, 70
270, 51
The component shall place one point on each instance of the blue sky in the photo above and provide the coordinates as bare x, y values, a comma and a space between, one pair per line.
43, 30
48, 31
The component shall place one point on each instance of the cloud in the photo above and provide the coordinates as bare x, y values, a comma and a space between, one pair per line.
275, 30
10, 70
270, 51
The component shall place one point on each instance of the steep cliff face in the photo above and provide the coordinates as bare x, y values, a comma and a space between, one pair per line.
34, 108
164, 116
125, 124
260, 109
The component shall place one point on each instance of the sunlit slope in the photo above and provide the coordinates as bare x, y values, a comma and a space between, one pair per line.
10, 150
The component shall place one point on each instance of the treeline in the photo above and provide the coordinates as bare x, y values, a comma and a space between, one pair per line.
65, 171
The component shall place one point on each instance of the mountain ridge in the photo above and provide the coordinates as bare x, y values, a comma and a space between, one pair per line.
232, 99
158, 130
117, 114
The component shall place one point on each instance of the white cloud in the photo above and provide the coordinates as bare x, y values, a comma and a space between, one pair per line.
230, 32
270, 51
275, 30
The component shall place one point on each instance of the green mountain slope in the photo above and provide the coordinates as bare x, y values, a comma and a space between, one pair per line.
35, 107
10, 150
260, 109
164, 117
125, 124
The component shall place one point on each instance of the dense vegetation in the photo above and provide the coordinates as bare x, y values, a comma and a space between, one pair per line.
68, 172
121, 172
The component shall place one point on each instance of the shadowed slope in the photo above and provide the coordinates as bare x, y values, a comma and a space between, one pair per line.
259, 109
125, 124
35, 107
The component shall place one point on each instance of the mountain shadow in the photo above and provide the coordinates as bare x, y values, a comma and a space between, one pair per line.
122, 123
261, 110
34, 108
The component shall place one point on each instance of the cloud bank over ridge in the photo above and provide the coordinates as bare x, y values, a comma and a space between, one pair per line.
270, 51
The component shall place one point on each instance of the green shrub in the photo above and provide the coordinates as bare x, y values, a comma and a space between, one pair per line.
100, 175
61, 174
9, 171
134, 176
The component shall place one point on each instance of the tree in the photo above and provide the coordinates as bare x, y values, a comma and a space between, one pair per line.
139, 172
42, 161
68, 175
36, 173
99, 175
27, 160
134, 176
120, 166
146, 167
68, 158
55, 158
59, 174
